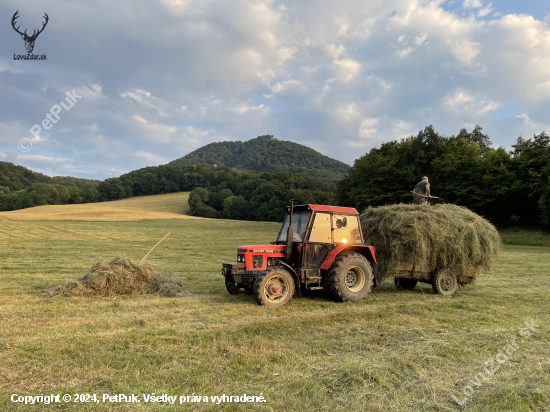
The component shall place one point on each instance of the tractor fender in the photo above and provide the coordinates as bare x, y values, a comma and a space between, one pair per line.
293, 273
367, 251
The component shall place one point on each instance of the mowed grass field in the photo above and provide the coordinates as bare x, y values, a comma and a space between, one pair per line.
168, 206
395, 351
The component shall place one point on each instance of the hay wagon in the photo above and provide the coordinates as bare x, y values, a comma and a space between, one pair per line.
443, 280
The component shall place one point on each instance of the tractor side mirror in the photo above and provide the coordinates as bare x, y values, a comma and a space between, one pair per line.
341, 223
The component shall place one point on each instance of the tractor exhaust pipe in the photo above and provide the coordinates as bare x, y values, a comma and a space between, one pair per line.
289, 233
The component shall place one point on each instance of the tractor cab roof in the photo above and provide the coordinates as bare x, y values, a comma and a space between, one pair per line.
323, 208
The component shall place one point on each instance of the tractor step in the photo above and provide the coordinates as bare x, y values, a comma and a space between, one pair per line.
315, 288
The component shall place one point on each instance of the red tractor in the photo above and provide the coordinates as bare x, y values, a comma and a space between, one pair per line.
318, 247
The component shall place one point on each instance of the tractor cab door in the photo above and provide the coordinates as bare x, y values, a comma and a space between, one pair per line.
319, 241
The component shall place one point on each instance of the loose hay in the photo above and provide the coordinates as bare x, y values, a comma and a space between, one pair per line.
120, 276
438, 236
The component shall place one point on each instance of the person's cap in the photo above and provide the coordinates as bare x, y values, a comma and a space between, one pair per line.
424, 177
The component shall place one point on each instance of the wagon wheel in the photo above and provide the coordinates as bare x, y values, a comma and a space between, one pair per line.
444, 282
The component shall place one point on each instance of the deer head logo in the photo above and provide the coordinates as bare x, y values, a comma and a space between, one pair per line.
29, 40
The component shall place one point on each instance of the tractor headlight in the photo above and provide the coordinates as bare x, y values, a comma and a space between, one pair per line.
240, 258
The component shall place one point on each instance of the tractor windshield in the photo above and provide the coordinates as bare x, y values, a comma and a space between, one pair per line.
299, 226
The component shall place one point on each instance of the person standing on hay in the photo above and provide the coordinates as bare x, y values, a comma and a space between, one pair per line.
421, 191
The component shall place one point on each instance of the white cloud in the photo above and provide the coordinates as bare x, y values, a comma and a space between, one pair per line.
150, 158
154, 132
421, 38
368, 130
3, 155
485, 11
404, 52
472, 4
347, 113
43, 159
335, 51
281, 87
464, 51
139, 119
347, 69
462, 102
191, 72
176, 7
243, 108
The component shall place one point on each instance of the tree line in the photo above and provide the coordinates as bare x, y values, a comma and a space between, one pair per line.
216, 192
21, 188
259, 196
509, 187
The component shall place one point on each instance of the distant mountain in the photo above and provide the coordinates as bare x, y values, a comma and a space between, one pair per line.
266, 153
18, 177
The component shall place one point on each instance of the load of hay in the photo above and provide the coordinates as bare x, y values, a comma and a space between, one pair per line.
120, 276
432, 236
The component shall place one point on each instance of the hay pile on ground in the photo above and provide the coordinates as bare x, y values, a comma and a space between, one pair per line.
120, 276
438, 236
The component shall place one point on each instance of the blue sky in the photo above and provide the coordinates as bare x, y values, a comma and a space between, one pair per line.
158, 79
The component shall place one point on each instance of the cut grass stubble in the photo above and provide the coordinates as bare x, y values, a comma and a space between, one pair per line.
397, 350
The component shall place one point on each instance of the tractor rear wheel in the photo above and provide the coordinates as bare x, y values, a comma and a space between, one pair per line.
349, 278
444, 282
274, 287
405, 283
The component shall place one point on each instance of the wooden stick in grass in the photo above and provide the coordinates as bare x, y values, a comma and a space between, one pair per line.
260, 238
152, 249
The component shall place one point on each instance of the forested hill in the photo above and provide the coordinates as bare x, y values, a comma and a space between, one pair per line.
16, 178
266, 154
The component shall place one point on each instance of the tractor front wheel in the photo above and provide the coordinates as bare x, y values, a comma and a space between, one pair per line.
236, 288
444, 282
274, 287
349, 278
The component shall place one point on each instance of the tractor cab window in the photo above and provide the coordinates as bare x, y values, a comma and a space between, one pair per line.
345, 229
299, 226
321, 230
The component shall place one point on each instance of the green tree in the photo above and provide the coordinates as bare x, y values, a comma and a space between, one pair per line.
235, 207
75, 195
90, 194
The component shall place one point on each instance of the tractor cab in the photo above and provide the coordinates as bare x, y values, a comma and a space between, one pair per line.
316, 230
318, 247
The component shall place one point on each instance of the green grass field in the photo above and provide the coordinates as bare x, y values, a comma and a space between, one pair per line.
525, 237
395, 351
